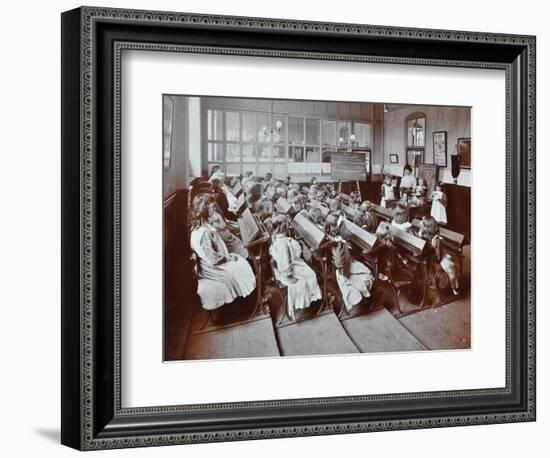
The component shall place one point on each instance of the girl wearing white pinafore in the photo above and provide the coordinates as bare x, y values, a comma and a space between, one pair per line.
354, 278
291, 270
387, 191
223, 276
439, 205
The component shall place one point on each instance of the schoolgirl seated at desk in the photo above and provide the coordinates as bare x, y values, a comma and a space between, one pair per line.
299, 203
355, 201
316, 216
221, 194
290, 269
366, 218
355, 280
335, 205
218, 222
401, 217
447, 266
223, 276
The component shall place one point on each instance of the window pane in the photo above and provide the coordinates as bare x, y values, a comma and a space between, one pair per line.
279, 170
295, 130
250, 128
263, 169
215, 125
256, 127
249, 153
295, 154
362, 133
232, 152
211, 165
279, 153
328, 132
415, 132
313, 133
264, 153
215, 152
411, 133
344, 130
278, 126
264, 130
233, 169
326, 168
232, 130
327, 152
252, 167
420, 124
313, 155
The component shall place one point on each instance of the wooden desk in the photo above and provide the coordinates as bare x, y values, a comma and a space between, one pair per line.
413, 251
321, 207
363, 242
317, 242
255, 238
451, 239
350, 212
385, 214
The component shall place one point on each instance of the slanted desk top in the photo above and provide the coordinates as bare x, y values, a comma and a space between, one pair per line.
309, 231
453, 238
411, 243
358, 236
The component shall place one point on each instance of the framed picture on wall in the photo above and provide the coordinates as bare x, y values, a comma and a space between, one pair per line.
464, 152
192, 265
440, 148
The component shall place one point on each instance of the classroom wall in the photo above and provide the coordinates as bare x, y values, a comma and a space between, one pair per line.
187, 158
175, 175
195, 142
186, 144
356, 111
454, 120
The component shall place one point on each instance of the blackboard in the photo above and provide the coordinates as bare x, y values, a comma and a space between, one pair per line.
347, 166
429, 173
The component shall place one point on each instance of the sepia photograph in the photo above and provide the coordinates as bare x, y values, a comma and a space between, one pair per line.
314, 227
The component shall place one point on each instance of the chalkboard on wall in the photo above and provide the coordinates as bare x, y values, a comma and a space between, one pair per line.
346, 166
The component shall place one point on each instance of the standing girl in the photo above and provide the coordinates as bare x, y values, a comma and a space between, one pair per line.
439, 205
387, 191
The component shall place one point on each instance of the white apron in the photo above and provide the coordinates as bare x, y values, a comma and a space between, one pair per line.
439, 212
226, 280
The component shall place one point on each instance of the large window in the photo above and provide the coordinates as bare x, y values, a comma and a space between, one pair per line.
276, 142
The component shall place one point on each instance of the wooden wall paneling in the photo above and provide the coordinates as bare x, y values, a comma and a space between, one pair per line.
179, 288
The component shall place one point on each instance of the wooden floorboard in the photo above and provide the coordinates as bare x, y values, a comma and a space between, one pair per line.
380, 331
248, 340
322, 335
442, 328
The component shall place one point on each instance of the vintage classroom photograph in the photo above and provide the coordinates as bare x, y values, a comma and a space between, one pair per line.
314, 227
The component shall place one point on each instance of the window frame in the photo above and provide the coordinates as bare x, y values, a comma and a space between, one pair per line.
272, 115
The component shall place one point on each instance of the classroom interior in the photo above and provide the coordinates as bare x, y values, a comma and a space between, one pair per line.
296, 141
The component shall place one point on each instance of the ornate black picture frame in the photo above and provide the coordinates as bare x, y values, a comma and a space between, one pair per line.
92, 41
